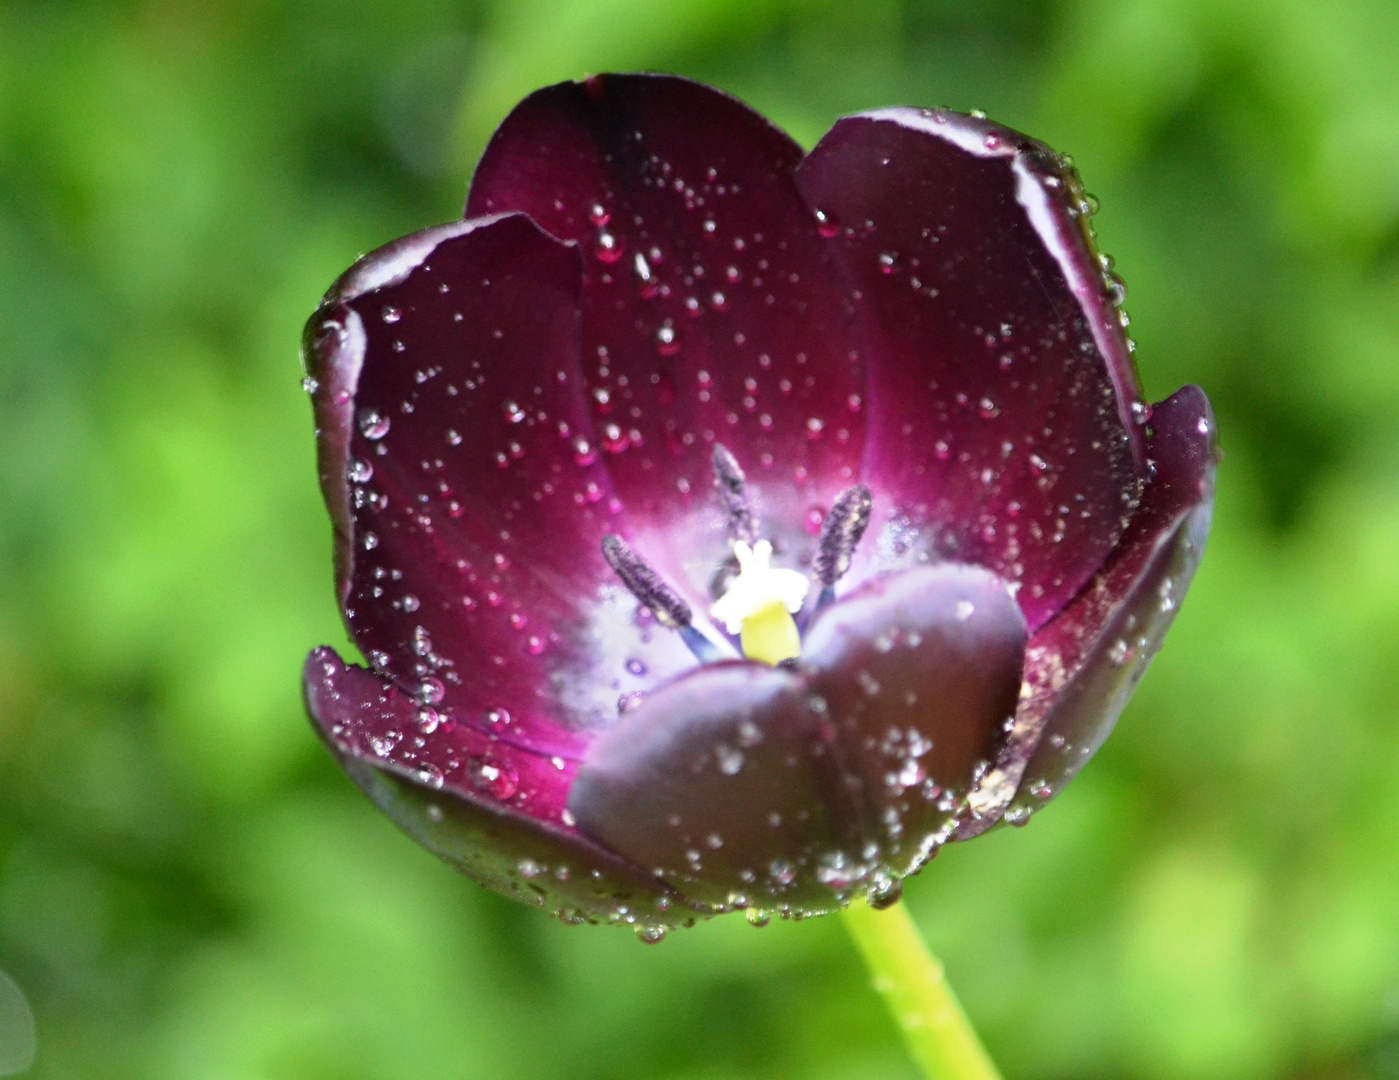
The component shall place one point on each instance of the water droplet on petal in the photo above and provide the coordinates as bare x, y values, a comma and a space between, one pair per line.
730, 760
491, 776
667, 340
372, 424
607, 247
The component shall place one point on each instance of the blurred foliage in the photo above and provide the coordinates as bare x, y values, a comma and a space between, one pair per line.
189, 889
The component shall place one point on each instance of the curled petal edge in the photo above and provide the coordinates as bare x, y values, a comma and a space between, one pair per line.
1082, 666
333, 347
536, 862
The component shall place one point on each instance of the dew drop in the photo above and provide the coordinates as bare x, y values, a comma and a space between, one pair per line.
372, 424
607, 247
614, 439
730, 760
428, 773
513, 413
391, 314
359, 471
667, 340
491, 776
583, 452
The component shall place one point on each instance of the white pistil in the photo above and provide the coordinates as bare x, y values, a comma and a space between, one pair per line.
760, 603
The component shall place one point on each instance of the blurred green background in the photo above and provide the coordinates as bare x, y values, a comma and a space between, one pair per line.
189, 889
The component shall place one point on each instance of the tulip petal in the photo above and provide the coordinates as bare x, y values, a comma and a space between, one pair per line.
1001, 392
1083, 665
741, 784
468, 501
713, 311
926, 667
491, 810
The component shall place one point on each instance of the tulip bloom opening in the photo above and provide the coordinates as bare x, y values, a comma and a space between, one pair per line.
730, 527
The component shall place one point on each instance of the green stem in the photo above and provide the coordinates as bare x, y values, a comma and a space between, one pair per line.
940, 1038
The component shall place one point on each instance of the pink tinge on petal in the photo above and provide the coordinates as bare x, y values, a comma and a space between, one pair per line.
1082, 667
713, 310
367, 717
476, 502
1002, 400
492, 810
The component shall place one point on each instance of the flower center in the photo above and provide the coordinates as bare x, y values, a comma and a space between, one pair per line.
759, 603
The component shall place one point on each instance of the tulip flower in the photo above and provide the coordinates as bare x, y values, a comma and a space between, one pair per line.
730, 527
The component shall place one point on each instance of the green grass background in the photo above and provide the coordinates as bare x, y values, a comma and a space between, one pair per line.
189, 889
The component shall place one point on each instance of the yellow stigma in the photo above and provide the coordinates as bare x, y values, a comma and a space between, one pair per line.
760, 603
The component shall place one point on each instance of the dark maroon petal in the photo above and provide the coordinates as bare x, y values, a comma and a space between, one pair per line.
1083, 666
921, 673
1001, 391
492, 810
459, 465
713, 309
742, 784
711, 783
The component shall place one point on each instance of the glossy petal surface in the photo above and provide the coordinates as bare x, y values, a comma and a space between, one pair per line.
1000, 390
712, 308
1082, 667
743, 784
489, 809
662, 325
466, 459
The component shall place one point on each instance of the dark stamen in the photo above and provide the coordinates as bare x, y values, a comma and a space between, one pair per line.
840, 532
729, 479
646, 585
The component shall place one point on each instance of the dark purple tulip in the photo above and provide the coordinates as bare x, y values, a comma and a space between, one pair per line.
552, 434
